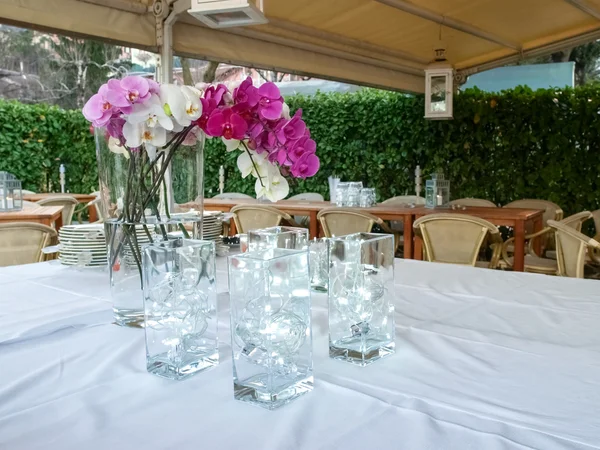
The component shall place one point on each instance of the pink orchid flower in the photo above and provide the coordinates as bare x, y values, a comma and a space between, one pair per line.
128, 91
98, 108
246, 93
306, 166
301, 147
226, 123
290, 130
270, 104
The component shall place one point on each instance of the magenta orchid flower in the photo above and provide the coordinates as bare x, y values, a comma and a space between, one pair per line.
270, 104
226, 123
290, 130
302, 146
306, 166
246, 93
216, 93
115, 128
98, 109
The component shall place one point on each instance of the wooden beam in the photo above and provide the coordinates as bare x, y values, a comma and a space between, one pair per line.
446, 21
585, 7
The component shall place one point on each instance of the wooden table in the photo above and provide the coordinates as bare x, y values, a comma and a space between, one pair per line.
46, 215
511, 217
81, 198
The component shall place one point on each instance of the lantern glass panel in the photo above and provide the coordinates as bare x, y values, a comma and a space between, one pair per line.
438, 94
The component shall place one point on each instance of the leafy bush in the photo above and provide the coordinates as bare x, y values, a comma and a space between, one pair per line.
36, 139
516, 144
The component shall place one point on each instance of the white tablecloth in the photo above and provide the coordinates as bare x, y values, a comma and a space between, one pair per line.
485, 360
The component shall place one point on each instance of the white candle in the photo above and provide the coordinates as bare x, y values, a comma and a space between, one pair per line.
9, 203
439, 200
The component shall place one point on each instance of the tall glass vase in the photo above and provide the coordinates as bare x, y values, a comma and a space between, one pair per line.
147, 195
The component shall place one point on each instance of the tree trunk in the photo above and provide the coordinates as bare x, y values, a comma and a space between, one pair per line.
211, 72
187, 73
562, 56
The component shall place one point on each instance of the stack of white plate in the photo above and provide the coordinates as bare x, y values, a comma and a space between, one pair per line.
82, 245
212, 226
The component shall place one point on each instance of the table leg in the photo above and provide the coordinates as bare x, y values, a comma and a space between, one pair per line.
92, 213
58, 223
537, 242
418, 247
232, 229
313, 226
408, 236
519, 256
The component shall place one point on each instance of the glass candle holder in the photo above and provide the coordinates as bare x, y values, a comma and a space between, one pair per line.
319, 264
341, 194
354, 188
271, 337
367, 197
180, 306
292, 238
361, 311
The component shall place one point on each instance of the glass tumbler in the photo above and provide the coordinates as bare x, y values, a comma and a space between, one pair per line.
180, 307
354, 193
367, 197
341, 194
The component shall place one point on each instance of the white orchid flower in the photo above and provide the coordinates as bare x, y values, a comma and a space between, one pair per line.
151, 113
274, 186
183, 102
245, 166
231, 144
139, 134
114, 145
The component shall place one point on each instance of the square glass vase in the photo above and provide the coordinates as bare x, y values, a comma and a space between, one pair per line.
292, 238
180, 307
360, 293
271, 334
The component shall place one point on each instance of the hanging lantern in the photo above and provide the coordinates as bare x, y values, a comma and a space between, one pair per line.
439, 87
228, 13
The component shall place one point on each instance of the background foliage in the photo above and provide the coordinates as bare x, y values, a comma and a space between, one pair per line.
517, 144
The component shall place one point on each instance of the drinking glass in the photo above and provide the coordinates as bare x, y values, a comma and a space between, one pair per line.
341, 194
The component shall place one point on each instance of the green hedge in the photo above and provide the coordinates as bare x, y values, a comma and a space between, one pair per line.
36, 139
517, 144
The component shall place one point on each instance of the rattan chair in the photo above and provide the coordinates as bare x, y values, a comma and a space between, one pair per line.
252, 217
572, 249
28, 204
343, 221
397, 226
405, 200
22, 242
540, 263
551, 212
475, 202
66, 201
458, 239
304, 221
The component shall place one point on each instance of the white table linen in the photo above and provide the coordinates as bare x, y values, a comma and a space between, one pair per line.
485, 360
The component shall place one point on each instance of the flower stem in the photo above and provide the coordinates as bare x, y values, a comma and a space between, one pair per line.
253, 164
